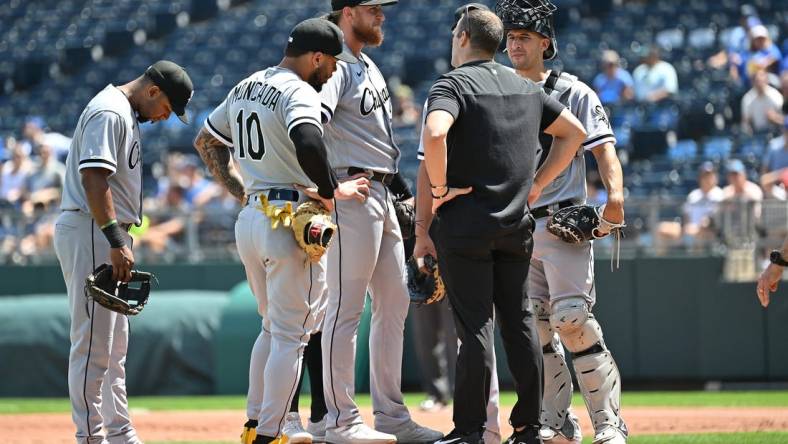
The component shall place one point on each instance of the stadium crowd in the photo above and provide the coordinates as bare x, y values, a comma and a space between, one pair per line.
184, 209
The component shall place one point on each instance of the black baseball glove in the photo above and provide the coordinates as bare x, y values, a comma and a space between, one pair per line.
581, 223
406, 216
425, 288
117, 296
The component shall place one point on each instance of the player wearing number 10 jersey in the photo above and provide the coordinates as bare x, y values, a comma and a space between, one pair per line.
272, 122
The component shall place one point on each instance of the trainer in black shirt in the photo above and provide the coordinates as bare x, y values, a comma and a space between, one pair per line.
480, 142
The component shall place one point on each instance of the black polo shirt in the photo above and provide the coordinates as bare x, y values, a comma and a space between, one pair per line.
492, 146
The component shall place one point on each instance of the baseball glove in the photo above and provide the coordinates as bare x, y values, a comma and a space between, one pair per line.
117, 296
424, 288
406, 216
313, 229
581, 223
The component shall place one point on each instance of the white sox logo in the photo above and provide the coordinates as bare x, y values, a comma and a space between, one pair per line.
371, 100
599, 113
134, 155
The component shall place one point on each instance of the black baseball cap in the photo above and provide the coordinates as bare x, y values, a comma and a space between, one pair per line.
461, 10
336, 5
320, 35
176, 84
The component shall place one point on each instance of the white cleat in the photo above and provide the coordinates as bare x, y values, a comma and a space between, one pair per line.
568, 434
610, 435
293, 431
412, 433
358, 434
317, 429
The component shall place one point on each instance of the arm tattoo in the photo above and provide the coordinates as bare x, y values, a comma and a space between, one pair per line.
216, 156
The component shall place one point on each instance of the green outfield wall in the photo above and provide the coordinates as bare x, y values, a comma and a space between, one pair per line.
666, 320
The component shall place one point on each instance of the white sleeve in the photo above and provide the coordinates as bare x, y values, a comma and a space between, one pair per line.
103, 136
303, 106
332, 92
218, 124
671, 79
588, 109
420, 152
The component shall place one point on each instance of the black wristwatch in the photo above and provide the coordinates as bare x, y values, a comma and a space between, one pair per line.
778, 259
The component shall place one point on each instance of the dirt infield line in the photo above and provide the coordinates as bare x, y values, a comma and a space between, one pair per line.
225, 425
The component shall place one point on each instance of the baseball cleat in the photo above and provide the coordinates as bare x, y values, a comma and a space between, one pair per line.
250, 432
456, 437
569, 433
293, 431
317, 429
412, 433
528, 435
611, 435
358, 434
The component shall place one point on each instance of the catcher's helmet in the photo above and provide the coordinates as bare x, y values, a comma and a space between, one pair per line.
531, 15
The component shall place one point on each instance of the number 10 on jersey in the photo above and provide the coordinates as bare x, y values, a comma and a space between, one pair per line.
255, 146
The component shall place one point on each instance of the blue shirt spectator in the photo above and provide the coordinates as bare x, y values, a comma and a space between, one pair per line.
614, 83
776, 157
655, 79
762, 54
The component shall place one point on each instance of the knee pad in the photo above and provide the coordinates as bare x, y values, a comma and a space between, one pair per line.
577, 327
557, 379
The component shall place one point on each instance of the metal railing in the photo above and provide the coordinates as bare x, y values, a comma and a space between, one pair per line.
742, 232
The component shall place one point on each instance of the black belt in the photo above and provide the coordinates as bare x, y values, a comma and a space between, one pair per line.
278, 194
384, 178
544, 211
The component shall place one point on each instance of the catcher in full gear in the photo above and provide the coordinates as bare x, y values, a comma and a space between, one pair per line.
561, 278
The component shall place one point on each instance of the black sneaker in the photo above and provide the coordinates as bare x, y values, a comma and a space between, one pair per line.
456, 437
528, 435
260, 439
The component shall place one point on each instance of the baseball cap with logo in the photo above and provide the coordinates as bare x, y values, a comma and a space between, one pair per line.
176, 84
336, 5
320, 35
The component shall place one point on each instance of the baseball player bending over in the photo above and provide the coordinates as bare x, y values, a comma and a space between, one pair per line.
369, 252
102, 197
561, 279
271, 120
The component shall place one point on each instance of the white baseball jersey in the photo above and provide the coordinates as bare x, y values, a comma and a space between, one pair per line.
583, 102
107, 136
256, 119
357, 110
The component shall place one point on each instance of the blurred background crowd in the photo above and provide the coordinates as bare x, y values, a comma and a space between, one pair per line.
696, 92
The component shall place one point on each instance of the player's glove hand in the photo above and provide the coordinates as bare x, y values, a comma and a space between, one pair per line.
117, 296
425, 288
313, 229
581, 223
406, 216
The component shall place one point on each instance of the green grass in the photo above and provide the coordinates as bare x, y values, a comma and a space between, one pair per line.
631, 399
710, 438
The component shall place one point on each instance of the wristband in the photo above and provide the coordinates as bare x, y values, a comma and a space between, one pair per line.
114, 234
442, 195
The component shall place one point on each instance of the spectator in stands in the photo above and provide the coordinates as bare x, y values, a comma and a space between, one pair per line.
14, 175
45, 181
165, 232
406, 112
655, 79
701, 205
34, 134
776, 157
738, 40
762, 54
699, 209
614, 83
761, 105
740, 210
198, 189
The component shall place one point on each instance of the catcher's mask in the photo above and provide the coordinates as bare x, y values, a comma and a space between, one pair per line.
530, 15
118, 296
